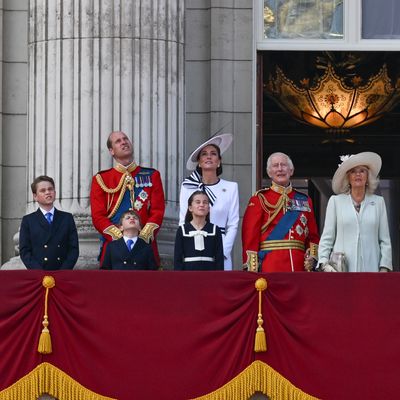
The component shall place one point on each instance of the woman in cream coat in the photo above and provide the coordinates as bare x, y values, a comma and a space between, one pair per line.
206, 164
356, 221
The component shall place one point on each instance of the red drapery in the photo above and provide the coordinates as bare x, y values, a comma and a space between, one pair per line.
180, 335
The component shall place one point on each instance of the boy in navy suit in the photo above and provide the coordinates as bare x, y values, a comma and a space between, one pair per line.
130, 251
48, 238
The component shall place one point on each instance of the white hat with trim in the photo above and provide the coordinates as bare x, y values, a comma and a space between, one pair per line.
368, 159
223, 141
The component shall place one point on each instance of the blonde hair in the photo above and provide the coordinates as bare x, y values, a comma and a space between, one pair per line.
371, 185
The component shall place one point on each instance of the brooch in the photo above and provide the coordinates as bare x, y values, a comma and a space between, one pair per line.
143, 195
137, 205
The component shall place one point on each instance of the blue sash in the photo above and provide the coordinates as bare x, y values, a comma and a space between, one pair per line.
284, 224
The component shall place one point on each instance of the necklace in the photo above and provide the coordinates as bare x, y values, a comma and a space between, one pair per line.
357, 206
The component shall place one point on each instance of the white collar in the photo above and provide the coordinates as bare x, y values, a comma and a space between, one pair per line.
126, 238
44, 212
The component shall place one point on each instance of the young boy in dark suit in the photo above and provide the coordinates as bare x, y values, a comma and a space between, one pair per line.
129, 252
48, 238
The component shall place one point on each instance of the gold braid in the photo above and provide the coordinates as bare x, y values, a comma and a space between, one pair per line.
101, 183
267, 206
123, 183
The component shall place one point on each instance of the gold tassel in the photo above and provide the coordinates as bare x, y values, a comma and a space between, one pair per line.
260, 343
44, 346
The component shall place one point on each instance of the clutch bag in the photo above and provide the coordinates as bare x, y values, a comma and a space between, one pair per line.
337, 260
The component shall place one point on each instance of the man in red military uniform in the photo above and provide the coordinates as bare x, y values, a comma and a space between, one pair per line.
126, 186
279, 230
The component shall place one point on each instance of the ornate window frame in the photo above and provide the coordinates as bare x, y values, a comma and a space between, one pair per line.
352, 30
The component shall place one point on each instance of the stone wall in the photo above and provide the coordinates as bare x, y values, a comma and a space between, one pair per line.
218, 86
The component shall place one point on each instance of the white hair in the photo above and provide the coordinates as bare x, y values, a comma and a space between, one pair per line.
269, 160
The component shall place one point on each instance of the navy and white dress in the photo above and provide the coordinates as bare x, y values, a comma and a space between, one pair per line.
224, 210
198, 250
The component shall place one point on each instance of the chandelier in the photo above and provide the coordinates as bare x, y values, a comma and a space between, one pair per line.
333, 104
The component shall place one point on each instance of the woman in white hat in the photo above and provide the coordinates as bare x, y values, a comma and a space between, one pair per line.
206, 164
356, 222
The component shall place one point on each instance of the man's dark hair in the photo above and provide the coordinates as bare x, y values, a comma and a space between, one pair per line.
41, 178
109, 142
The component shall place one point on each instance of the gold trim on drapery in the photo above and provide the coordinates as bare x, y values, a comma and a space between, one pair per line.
47, 378
258, 377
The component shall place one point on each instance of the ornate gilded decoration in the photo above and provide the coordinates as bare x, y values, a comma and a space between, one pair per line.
274, 208
314, 250
282, 245
333, 103
46, 378
147, 233
44, 346
126, 182
260, 343
252, 261
114, 232
130, 168
258, 377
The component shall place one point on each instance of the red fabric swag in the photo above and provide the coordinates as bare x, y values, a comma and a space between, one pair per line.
179, 335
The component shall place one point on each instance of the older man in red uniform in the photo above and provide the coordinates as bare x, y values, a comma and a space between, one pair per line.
126, 186
279, 230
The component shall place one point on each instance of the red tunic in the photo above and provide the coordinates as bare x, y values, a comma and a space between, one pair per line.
255, 230
116, 190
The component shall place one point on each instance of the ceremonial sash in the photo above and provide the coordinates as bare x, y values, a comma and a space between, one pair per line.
284, 224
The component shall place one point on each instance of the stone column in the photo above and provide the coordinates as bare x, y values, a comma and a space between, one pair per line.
98, 66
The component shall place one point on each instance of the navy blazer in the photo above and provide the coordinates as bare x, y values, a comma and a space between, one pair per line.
118, 256
48, 246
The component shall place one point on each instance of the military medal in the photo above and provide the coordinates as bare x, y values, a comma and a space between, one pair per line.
297, 205
137, 205
143, 195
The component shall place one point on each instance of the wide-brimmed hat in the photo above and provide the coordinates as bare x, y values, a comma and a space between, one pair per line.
223, 141
371, 160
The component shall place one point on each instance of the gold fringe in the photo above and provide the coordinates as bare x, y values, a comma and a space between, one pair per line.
258, 377
260, 343
44, 346
46, 378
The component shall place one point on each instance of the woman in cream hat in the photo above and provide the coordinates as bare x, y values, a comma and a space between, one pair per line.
206, 164
356, 222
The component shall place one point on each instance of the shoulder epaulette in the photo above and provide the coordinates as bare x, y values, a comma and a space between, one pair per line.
146, 171
104, 171
260, 191
301, 193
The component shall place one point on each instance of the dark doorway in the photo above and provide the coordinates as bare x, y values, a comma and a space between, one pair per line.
312, 150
